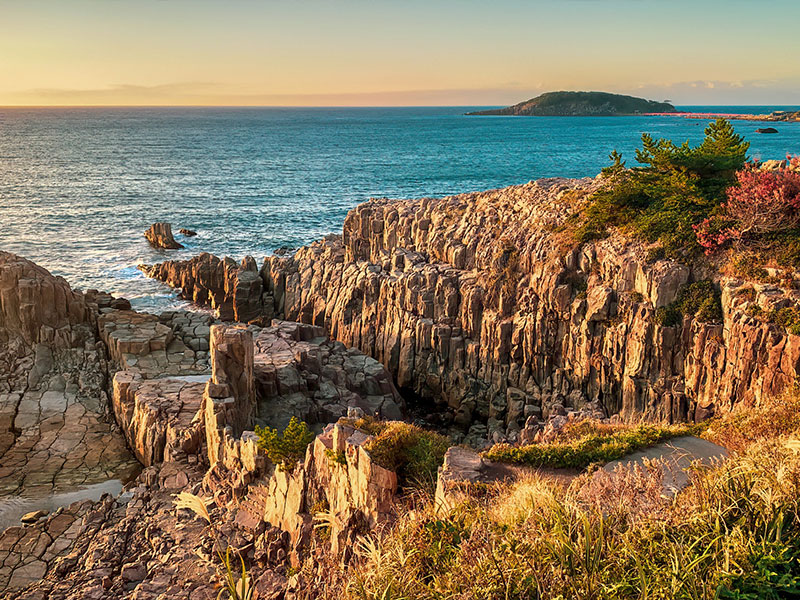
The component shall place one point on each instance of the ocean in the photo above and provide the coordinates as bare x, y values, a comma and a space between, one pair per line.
79, 186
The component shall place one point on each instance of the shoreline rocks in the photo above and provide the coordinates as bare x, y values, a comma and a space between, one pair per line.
160, 236
475, 306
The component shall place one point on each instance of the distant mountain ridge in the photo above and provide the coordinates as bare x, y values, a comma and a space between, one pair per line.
581, 104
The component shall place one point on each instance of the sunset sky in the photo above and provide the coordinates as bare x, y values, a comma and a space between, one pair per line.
381, 52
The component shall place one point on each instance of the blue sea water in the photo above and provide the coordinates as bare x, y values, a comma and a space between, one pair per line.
79, 186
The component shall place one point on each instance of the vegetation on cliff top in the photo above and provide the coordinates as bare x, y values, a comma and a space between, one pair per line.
677, 188
569, 104
734, 533
689, 201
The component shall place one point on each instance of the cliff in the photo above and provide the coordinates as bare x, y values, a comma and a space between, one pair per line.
480, 304
581, 104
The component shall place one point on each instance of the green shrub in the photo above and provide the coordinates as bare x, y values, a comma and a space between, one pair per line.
412, 452
748, 267
747, 293
336, 457
287, 448
700, 300
595, 447
668, 316
787, 317
754, 310
678, 187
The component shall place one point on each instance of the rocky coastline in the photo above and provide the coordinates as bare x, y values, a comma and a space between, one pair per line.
472, 314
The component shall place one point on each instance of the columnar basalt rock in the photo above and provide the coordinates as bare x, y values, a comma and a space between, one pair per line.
160, 236
55, 437
300, 373
355, 490
177, 426
481, 303
156, 345
40, 308
160, 417
229, 398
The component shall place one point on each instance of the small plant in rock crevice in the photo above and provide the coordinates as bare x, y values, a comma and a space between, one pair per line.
287, 448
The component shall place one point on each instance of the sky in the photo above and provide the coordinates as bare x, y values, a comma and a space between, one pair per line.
395, 53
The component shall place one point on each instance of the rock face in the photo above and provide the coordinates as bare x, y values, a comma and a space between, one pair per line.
55, 437
354, 489
160, 236
158, 416
300, 373
477, 302
53, 433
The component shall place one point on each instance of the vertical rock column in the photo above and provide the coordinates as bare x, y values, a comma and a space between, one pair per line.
230, 393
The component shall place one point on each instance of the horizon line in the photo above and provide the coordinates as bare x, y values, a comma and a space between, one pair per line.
15, 106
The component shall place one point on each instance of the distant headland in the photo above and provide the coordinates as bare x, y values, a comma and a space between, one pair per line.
581, 104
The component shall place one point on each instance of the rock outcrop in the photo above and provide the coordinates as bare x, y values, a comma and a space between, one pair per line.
160, 236
300, 373
337, 473
234, 290
479, 303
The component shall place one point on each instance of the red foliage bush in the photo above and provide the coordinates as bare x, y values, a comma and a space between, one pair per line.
713, 233
765, 201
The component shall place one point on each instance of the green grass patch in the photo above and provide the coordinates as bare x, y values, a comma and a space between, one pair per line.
595, 447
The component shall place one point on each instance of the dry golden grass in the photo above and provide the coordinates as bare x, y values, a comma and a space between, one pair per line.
733, 533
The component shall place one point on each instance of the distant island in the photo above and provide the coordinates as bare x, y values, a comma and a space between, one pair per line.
581, 104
